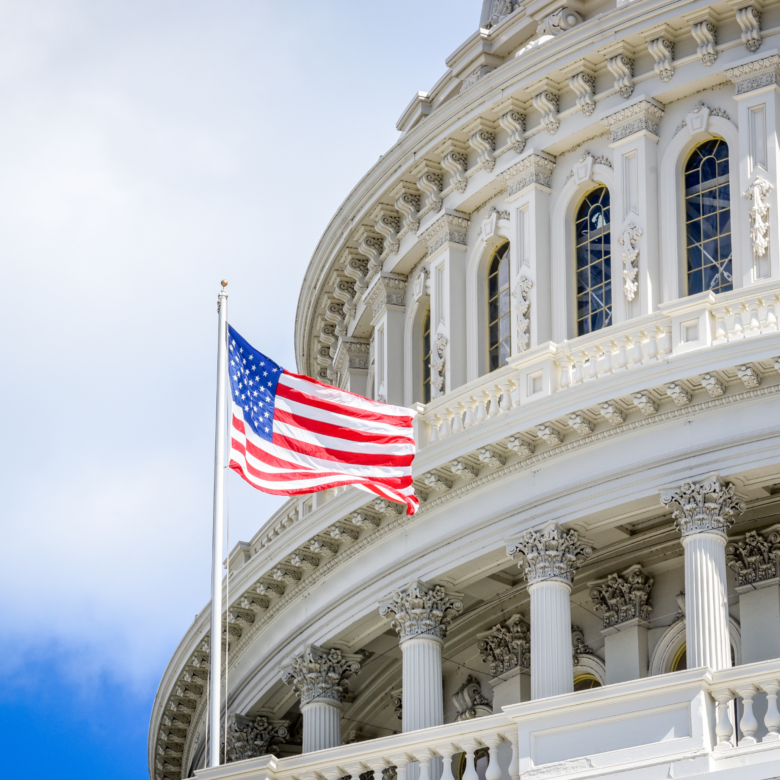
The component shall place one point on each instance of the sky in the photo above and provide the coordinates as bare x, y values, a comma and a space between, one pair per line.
149, 149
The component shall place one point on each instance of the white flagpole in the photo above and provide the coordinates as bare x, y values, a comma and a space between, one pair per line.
216, 544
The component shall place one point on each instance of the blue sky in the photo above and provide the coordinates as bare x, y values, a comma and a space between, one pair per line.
147, 150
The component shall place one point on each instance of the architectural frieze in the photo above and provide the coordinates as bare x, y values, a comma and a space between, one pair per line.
450, 227
707, 506
419, 610
535, 168
387, 290
643, 115
759, 73
317, 673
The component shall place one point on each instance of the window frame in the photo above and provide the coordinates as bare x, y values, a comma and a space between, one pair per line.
425, 331
506, 257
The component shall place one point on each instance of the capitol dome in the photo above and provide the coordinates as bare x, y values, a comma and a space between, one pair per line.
569, 266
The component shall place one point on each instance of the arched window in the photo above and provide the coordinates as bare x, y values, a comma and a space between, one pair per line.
594, 263
584, 682
498, 308
708, 218
426, 356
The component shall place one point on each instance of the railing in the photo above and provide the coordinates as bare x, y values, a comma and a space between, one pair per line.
685, 326
642, 723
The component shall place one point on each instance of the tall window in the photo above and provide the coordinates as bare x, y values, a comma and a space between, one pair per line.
498, 307
426, 356
594, 265
708, 218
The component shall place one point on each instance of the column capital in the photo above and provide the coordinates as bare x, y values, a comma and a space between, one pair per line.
317, 673
755, 558
247, 738
506, 646
623, 597
709, 505
387, 289
755, 73
549, 554
450, 227
643, 115
419, 610
535, 167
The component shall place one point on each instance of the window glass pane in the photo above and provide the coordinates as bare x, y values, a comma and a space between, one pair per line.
708, 240
503, 330
503, 274
592, 261
503, 352
498, 307
503, 303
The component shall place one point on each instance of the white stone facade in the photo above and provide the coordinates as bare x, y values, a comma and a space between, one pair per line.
593, 577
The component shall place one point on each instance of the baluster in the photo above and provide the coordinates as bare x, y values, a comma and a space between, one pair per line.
482, 400
446, 752
433, 428
593, 362
564, 365
772, 717
494, 393
355, 769
514, 764
468, 417
652, 344
494, 770
607, 350
331, 773
770, 321
754, 326
444, 428
377, 766
637, 355
721, 331
424, 757
623, 348
457, 417
400, 762
578, 377
723, 727
516, 391
470, 772
666, 340
747, 723
506, 396
737, 329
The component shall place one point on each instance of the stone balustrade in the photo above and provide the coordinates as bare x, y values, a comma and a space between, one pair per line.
682, 329
683, 716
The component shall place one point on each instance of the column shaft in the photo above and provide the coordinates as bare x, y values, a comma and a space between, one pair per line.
706, 601
551, 653
423, 697
321, 725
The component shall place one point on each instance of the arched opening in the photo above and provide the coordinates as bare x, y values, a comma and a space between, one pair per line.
584, 682
708, 244
499, 342
593, 262
426, 356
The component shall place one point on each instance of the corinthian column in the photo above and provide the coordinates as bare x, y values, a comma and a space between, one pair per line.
704, 513
418, 616
548, 560
320, 678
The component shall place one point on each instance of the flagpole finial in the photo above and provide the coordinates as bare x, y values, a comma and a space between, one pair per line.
224, 283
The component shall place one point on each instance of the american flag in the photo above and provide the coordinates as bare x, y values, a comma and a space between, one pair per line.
292, 434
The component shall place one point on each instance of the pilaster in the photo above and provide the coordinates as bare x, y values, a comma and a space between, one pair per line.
386, 298
704, 513
351, 362
624, 601
549, 558
446, 241
636, 270
757, 82
528, 183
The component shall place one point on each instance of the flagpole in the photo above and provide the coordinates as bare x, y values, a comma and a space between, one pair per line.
216, 542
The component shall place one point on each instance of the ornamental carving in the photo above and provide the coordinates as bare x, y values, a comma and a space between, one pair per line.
560, 21
438, 365
755, 558
450, 227
763, 72
454, 160
757, 194
551, 553
419, 610
386, 291
483, 141
710, 505
583, 84
514, 123
623, 597
662, 52
578, 645
522, 296
506, 646
546, 103
749, 20
705, 35
469, 701
639, 116
622, 68
630, 255
533, 169
247, 738
501, 9
317, 673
